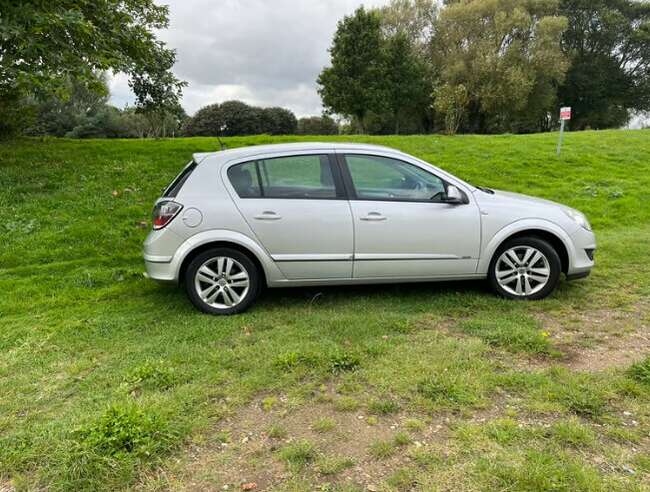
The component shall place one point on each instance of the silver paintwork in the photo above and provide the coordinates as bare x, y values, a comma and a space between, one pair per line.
302, 242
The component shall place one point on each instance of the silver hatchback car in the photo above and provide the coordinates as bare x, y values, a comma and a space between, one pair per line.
331, 214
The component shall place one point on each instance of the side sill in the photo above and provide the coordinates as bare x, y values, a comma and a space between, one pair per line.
578, 276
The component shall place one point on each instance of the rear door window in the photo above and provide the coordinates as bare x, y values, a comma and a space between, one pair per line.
303, 176
245, 180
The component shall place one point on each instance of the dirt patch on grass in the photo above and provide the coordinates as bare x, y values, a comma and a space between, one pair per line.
597, 340
251, 447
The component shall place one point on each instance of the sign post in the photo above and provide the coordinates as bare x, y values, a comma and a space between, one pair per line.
565, 115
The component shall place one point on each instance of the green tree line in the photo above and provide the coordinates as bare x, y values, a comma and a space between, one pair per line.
54, 57
489, 66
51, 53
413, 66
83, 113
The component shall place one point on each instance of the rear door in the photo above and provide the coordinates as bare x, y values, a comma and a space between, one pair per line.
296, 206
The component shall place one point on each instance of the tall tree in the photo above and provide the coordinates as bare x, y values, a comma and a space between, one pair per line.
353, 85
56, 115
405, 75
413, 18
43, 44
506, 55
608, 42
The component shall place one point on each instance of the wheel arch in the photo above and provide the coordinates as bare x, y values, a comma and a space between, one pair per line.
550, 238
549, 232
226, 239
220, 244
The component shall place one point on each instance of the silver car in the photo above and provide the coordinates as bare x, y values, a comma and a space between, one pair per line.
310, 214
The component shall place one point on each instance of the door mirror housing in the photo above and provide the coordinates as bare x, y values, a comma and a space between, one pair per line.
454, 196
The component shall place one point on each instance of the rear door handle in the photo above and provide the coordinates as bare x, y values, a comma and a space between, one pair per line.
373, 217
268, 215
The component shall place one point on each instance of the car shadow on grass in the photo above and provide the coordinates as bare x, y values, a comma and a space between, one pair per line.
398, 296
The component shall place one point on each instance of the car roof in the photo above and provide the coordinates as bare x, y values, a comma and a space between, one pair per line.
253, 150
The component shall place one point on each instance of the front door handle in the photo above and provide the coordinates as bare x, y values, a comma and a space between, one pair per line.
373, 217
268, 215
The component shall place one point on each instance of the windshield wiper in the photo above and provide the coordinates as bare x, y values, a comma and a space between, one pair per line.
485, 190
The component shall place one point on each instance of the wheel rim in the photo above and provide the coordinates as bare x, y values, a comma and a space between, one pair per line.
523, 271
222, 282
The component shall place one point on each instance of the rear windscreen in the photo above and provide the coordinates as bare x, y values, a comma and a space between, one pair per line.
173, 189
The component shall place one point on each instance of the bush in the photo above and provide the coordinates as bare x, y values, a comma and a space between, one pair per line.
317, 125
233, 118
277, 121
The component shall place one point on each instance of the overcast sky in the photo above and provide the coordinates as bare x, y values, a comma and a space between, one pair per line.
263, 52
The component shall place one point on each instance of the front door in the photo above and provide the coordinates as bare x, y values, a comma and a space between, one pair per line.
296, 207
402, 227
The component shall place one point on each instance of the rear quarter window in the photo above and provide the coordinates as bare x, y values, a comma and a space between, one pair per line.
175, 187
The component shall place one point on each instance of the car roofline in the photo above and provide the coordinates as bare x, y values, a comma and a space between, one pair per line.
251, 151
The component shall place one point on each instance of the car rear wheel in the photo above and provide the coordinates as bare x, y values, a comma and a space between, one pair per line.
222, 281
526, 268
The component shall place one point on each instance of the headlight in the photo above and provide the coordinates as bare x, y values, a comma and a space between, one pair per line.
578, 217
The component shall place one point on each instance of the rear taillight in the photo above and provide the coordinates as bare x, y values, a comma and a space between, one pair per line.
164, 212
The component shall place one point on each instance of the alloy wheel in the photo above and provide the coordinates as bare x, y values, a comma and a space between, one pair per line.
222, 282
522, 271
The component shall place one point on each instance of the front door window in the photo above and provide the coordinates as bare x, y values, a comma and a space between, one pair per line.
382, 178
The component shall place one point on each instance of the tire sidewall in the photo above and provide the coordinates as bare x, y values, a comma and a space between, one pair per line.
244, 260
546, 249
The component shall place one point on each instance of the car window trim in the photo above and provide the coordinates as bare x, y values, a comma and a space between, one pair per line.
339, 188
352, 191
180, 179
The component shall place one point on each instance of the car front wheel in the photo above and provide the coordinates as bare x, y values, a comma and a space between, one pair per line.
526, 268
222, 281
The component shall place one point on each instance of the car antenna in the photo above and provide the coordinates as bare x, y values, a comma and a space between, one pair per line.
221, 144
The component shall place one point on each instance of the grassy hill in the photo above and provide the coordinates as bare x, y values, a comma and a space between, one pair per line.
108, 380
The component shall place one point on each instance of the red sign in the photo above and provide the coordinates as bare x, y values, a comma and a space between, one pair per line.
565, 113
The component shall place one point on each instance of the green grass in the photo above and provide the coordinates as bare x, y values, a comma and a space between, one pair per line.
297, 455
324, 424
106, 377
331, 465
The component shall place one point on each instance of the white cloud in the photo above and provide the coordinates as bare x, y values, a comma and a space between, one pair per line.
267, 53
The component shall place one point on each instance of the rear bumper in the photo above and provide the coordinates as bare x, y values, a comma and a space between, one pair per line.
162, 271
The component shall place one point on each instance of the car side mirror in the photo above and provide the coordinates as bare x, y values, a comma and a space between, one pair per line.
454, 196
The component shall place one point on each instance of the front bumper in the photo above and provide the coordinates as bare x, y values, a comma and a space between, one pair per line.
581, 260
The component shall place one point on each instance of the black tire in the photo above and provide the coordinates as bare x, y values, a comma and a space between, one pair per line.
554, 264
241, 262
